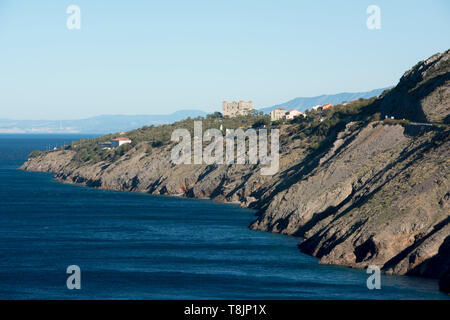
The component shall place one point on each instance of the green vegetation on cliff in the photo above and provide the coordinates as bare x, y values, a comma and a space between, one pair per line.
316, 129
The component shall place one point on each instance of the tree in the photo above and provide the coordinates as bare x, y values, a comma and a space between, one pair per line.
261, 123
215, 115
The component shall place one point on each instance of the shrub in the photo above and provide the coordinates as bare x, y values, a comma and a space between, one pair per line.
261, 123
157, 144
374, 117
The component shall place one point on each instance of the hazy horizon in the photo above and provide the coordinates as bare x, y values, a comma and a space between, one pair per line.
160, 57
178, 110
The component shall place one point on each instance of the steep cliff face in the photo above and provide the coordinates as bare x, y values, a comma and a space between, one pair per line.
374, 192
380, 196
423, 93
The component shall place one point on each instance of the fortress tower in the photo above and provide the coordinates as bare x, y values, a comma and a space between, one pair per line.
234, 108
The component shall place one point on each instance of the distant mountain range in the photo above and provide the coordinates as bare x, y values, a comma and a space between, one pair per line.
301, 103
102, 124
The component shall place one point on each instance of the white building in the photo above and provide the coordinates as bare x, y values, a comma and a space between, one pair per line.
291, 114
277, 114
117, 142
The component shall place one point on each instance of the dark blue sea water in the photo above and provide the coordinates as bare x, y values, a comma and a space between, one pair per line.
138, 246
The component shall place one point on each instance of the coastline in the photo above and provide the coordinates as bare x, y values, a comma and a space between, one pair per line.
201, 182
364, 183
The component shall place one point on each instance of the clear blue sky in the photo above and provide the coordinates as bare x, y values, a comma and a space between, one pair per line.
147, 57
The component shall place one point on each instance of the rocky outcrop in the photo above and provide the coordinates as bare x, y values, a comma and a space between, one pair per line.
374, 193
423, 93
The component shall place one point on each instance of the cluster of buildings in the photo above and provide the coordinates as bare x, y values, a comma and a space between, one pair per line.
234, 108
281, 113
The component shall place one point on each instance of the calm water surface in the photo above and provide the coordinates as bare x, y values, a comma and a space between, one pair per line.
138, 246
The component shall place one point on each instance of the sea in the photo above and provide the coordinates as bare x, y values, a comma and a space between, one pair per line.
139, 246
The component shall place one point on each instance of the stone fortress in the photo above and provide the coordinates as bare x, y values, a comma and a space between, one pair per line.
232, 109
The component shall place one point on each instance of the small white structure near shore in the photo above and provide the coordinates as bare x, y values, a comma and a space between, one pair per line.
117, 142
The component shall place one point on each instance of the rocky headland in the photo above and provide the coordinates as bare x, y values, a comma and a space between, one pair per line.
358, 187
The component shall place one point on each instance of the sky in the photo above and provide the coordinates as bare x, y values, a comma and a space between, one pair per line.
157, 57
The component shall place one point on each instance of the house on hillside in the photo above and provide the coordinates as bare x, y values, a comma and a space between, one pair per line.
117, 142
277, 114
291, 114
281, 113
326, 106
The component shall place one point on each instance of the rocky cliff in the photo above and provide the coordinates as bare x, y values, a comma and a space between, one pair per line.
371, 192
423, 93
